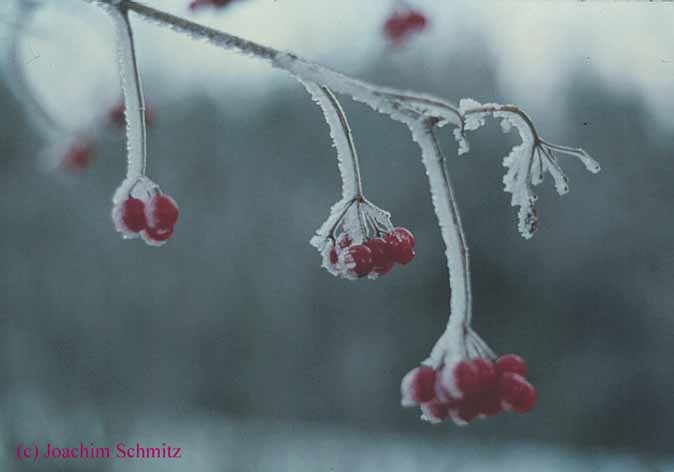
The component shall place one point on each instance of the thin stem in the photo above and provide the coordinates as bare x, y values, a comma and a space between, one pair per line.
453, 341
134, 101
134, 97
346, 129
458, 228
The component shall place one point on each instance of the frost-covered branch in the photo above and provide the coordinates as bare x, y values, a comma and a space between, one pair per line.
462, 377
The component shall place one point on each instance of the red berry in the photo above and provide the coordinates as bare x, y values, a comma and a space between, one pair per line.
416, 19
487, 377
359, 259
164, 212
400, 25
133, 215
382, 262
489, 403
158, 234
404, 235
78, 157
394, 28
401, 245
467, 410
423, 384
511, 363
467, 377
333, 256
516, 393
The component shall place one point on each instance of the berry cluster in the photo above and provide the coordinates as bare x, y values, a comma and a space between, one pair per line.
374, 257
146, 212
469, 389
400, 25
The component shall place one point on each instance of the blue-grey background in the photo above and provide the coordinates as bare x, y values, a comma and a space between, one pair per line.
233, 342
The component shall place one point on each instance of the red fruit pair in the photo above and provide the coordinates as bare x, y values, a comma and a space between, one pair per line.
400, 25
155, 221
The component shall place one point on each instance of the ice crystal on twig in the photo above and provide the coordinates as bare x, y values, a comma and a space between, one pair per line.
527, 163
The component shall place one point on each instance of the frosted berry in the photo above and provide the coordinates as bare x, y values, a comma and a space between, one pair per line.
158, 235
511, 363
405, 235
359, 259
423, 384
401, 245
516, 393
133, 215
164, 212
382, 262
467, 377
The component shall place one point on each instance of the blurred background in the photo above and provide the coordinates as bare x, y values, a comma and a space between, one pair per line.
234, 344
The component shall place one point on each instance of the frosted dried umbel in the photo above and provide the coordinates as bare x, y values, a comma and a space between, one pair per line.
527, 162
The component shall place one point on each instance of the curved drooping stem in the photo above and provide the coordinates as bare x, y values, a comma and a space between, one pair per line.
453, 341
134, 102
372, 221
346, 129
342, 137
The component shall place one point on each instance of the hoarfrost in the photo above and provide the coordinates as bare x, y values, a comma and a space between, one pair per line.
342, 139
133, 95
